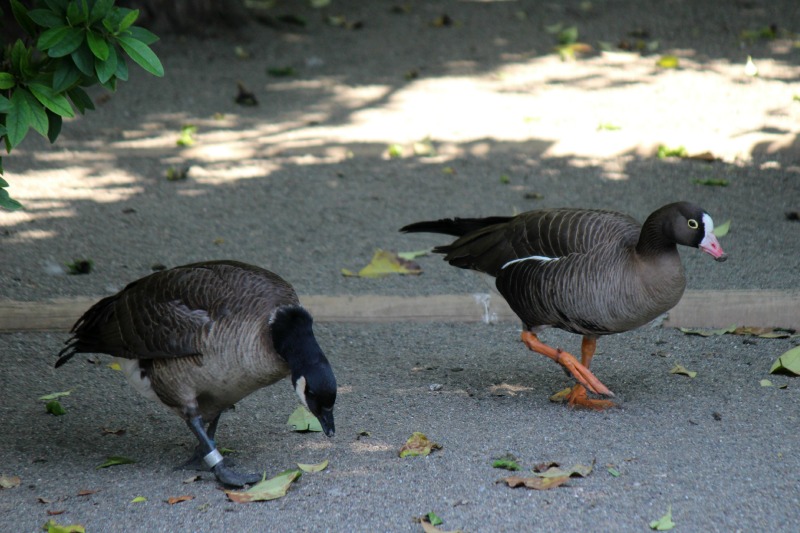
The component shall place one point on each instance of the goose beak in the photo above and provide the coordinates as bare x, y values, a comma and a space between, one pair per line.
326, 421
710, 245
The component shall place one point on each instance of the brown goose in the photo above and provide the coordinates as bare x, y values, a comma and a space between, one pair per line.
200, 337
590, 272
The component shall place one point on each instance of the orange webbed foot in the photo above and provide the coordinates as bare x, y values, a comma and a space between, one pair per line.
580, 372
577, 397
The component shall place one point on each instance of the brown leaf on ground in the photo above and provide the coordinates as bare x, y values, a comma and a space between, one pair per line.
535, 483
418, 444
117, 432
178, 499
56, 513
86, 492
9, 482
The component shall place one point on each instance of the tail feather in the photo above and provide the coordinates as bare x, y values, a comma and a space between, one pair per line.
453, 226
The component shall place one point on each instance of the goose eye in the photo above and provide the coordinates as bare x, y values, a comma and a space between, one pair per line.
693, 223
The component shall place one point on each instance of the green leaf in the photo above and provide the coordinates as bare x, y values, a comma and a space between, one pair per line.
302, 420
115, 460
6, 80
5, 105
122, 67
84, 60
266, 489
664, 523
54, 408
67, 40
97, 45
80, 99
8, 203
766, 383
57, 103
319, 467
75, 15
418, 445
788, 363
141, 34
18, 118
613, 471
53, 396
65, 76
21, 14
51, 526
129, 18
139, 499
100, 10
54, 128
46, 18
434, 519
106, 68
59, 6
722, 229
142, 55
664, 151
507, 464
410, 256
384, 263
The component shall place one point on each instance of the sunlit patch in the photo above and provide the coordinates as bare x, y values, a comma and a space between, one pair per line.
364, 446
31, 235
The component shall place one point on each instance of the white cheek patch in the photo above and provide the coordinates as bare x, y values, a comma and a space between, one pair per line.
541, 258
708, 224
300, 389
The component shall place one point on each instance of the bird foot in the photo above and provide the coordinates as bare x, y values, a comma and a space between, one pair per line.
230, 477
581, 373
195, 462
577, 397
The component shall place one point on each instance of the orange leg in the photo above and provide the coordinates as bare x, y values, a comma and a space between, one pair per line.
578, 397
580, 371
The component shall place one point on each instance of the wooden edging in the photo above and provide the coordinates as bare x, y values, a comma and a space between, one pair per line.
696, 309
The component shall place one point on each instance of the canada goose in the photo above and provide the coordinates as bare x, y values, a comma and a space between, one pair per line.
586, 271
200, 337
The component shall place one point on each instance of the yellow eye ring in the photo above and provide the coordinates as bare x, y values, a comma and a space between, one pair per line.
693, 223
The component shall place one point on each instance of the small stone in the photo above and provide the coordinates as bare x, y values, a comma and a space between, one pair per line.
435, 387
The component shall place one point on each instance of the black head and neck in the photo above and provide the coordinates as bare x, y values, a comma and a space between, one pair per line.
312, 376
681, 223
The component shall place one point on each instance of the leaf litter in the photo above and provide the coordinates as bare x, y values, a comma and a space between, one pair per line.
680, 369
266, 489
788, 363
548, 476
418, 445
385, 263
311, 468
302, 420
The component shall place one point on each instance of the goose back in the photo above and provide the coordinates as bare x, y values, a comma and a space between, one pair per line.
196, 335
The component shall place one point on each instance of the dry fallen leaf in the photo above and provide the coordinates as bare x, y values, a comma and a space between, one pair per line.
680, 369
427, 527
266, 489
708, 332
191, 479
9, 482
384, 263
178, 499
554, 470
418, 445
788, 363
86, 492
302, 420
311, 468
765, 332
56, 513
536, 483
52, 527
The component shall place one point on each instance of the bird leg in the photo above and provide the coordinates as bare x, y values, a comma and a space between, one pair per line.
211, 456
579, 371
195, 462
577, 395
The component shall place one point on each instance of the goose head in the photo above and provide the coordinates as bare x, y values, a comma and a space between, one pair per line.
687, 224
312, 376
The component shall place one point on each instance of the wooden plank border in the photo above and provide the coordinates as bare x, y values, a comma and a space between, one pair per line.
696, 309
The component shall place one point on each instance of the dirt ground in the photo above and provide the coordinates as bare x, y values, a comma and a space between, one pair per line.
488, 120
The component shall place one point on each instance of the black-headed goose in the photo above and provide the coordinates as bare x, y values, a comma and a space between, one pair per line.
587, 271
200, 337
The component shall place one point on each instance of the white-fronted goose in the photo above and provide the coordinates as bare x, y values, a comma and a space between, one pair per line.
200, 337
590, 272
